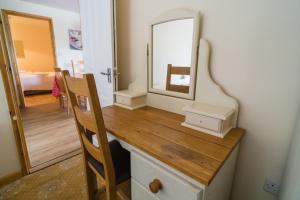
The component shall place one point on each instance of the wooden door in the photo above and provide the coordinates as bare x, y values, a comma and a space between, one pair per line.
98, 39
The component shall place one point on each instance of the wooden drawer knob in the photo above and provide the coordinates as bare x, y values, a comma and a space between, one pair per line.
155, 186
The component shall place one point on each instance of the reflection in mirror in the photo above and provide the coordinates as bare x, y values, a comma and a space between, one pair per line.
178, 79
172, 44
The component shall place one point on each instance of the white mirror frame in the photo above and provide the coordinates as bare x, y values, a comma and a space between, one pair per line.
172, 15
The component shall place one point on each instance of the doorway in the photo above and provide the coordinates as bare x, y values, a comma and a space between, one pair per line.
98, 25
49, 132
34, 54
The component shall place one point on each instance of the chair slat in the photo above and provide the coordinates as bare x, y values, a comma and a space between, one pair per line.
78, 86
179, 88
101, 179
180, 70
91, 149
177, 71
85, 119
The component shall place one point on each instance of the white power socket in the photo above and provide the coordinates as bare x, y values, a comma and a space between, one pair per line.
272, 187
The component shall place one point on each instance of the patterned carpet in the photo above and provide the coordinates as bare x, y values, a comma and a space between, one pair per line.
64, 180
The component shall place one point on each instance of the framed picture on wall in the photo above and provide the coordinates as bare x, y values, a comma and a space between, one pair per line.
75, 40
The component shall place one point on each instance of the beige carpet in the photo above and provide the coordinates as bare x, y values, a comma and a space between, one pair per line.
64, 180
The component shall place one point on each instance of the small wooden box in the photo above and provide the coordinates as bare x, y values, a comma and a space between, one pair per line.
130, 99
211, 119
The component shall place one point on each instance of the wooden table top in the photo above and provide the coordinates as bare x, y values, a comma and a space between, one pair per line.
160, 134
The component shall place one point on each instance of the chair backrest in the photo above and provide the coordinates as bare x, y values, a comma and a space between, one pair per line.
172, 70
91, 123
59, 79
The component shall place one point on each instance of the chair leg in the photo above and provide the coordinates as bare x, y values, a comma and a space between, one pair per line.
91, 181
63, 101
111, 194
60, 101
124, 190
68, 107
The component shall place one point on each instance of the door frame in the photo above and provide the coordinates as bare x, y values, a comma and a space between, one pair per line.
9, 70
14, 110
11, 49
115, 72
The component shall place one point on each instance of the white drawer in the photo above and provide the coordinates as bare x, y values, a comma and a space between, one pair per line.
139, 192
204, 121
145, 171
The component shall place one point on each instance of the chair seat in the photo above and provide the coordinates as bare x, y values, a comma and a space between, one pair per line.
121, 162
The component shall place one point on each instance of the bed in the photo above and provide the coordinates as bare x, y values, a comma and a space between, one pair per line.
36, 82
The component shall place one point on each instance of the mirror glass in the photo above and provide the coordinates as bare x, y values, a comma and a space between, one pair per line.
172, 45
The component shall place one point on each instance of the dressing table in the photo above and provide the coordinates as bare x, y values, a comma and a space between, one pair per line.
177, 157
186, 164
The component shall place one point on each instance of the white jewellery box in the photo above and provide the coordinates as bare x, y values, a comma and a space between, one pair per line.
130, 99
211, 119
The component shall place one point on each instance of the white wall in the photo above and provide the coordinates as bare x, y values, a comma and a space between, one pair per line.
9, 161
35, 53
62, 21
291, 184
255, 57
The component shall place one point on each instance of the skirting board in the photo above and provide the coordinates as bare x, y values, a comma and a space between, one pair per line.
10, 178
55, 160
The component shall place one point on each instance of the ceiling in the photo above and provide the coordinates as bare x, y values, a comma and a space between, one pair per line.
69, 5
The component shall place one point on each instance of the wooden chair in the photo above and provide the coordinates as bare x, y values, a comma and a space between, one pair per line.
177, 71
107, 161
61, 85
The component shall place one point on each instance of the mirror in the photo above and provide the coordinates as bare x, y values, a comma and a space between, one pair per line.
172, 61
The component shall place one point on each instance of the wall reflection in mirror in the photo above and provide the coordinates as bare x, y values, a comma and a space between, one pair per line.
172, 55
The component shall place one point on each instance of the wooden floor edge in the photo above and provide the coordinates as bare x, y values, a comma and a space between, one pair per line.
54, 161
10, 178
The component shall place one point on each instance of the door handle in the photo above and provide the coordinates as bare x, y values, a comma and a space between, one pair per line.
108, 74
